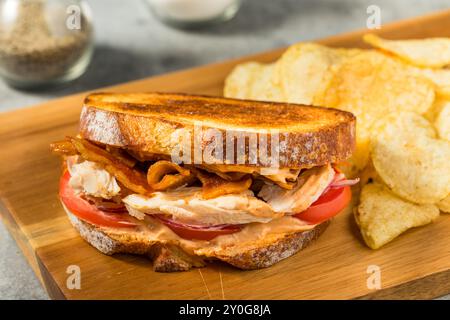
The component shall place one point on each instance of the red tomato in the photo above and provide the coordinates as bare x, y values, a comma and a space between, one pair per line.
88, 212
198, 233
328, 205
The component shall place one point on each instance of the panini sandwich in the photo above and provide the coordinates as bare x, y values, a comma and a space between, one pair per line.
185, 179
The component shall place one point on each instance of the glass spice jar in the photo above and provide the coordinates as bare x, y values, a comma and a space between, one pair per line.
44, 42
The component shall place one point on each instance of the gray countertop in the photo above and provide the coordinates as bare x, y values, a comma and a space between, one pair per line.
131, 44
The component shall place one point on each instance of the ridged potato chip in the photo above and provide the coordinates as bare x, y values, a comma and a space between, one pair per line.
431, 52
371, 85
264, 88
360, 156
442, 121
369, 175
439, 77
410, 159
253, 81
435, 109
304, 70
382, 216
444, 204
239, 82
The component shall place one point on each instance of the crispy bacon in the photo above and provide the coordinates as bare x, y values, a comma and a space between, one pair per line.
63, 148
130, 178
144, 156
228, 168
285, 178
214, 186
164, 175
226, 171
122, 155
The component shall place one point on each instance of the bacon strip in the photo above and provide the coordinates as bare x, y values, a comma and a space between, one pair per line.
160, 175
122, 155
224, 171
63, 148
131, 179
285, 177
214, 186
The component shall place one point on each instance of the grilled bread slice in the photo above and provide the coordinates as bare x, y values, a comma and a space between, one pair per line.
169, 257
145, 122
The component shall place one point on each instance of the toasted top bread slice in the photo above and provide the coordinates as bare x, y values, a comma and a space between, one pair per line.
145, 122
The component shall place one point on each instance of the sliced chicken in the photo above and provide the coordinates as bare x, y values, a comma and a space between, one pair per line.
309, 187
90, 178
282, 177
188, 206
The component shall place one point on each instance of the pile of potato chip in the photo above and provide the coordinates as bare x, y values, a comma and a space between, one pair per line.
400, 93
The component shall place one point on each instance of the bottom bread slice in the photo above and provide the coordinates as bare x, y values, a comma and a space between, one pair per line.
168, 257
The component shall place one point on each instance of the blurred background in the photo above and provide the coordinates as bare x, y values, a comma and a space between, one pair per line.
130, 42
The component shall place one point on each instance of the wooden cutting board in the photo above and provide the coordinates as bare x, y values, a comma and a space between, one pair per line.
416, 265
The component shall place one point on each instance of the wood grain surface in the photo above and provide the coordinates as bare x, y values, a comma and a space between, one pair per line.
416, 265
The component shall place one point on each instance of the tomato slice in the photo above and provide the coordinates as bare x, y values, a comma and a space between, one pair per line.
88, 212
190, 232
327, 206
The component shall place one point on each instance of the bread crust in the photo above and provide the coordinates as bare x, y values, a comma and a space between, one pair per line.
170, 258
266, 256
308, 136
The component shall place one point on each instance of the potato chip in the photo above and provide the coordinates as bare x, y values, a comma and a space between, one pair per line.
263, 87
239, 82
442, 121
444, 204
253, 81
303, 71
439, 77
431, 52
371, 85
369, 175
435, 109
410, 159
360, 156
382, 216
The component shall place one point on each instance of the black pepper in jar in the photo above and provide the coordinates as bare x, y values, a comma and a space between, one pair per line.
40, 43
